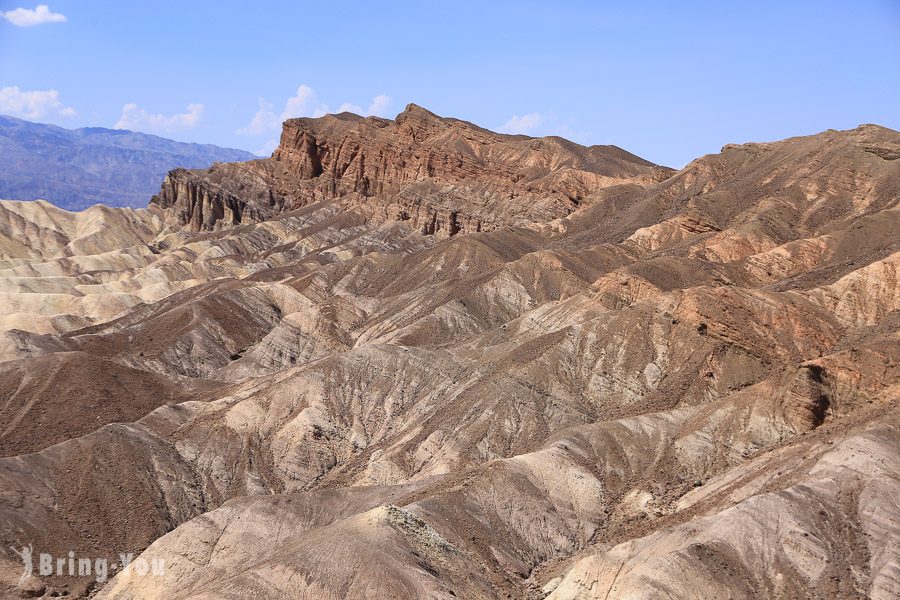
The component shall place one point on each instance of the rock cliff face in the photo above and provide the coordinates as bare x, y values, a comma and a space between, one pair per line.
443, 175
228, 195
287, 378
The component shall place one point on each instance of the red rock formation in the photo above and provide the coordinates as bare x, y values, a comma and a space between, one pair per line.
444, 175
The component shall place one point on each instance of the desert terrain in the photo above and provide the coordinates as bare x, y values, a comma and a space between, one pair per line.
412, 358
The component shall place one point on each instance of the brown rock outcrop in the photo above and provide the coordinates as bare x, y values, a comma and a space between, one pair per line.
443, 175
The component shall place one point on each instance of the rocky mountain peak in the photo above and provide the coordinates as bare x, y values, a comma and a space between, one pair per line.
443, 174
416, 112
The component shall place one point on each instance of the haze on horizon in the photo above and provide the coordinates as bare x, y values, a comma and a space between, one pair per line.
667, 83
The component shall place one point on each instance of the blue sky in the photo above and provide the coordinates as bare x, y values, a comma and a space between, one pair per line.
667, 80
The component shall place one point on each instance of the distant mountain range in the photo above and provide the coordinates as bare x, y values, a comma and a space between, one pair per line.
74, 169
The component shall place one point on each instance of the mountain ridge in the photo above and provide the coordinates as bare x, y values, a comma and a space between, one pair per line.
686, 383
400, 167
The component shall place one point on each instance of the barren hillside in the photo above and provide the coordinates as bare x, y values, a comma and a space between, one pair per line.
413, 358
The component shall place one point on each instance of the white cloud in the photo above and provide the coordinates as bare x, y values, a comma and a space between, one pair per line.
379, 105
134, 117
350, 107
524, 124
35, 104
264, 120
304, 104
25, 17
